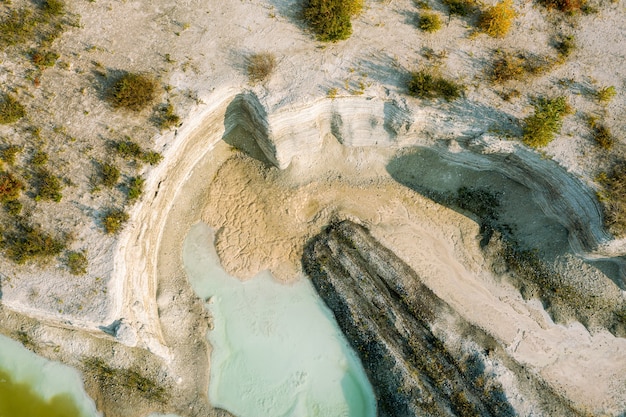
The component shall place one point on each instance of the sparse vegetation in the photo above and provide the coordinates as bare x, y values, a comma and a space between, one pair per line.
13, 207
429, 22
28, 242
48, 186
424, 84
109, 174
40, 158
10, 187
130, 150
135, 188
114, 220
601, 134
568, 6
613, 198
128, 379
540, 127
30, 24
10, 110
9, 154
565, 46
44, 59
508, 66
166, 117
77, 262
606, 94
261, 66
132, 91
496, 20
461, 7
330, 19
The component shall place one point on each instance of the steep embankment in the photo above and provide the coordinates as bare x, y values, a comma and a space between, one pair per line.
394, 322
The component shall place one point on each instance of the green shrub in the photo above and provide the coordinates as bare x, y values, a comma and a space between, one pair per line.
17, 27
166, 118
44, 59
496, 20
135, 188
109, 174
540, 127
53, 8
606, 94
10, 110
330, 19
77, 262
424, 84
461, 7
13, 207
131, 150
29, 242
429, 22
9, 153
132, 91
261, 66
603, 137
114, 220
40, 158
10, 187
48, 186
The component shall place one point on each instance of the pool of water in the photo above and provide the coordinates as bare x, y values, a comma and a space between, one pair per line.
31, 386
277, 350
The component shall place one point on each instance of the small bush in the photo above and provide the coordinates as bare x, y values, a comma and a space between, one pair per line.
613, 198
603, 137
460, 7
53, 8
131, 150
77, 262
132, 91
496, 21
40, 158
10, 187
261, 66
429, 22
165, 117
109, 174
508, 66
13, 207
9, 153
568, 6
48, 186
43, 59
10, 110
426, 85
29, 242
330, 19
540, 127
606, 94
135, 188
565, 46
17, 27
114, 220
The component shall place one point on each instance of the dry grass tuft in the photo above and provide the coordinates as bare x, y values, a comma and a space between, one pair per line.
496, 21
261, 66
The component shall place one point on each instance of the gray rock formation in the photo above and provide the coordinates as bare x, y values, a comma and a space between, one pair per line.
417, 368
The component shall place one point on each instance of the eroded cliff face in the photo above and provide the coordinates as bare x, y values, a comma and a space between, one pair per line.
422, 358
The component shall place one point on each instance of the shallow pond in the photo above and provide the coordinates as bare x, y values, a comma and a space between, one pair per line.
32, 386
277, 350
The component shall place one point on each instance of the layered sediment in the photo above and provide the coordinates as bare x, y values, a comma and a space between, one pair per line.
393, 321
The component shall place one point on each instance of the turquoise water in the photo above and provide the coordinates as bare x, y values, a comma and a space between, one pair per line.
31, 386
277, 351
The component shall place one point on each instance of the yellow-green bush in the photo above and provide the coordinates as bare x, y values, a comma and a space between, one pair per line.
541, 126
496, 20
330, 19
